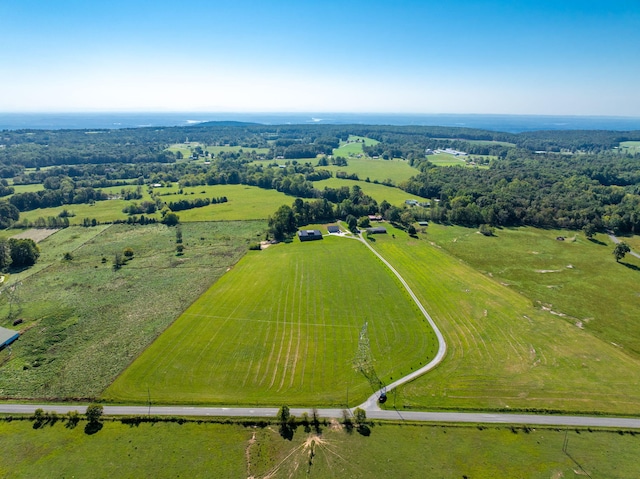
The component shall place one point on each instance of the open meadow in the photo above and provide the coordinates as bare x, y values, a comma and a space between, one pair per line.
244, 202
84, 321
169, 449
283, 326
395, 170
504, 350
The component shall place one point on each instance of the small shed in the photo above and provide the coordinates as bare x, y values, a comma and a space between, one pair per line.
423, 223
7, 336
378, 230
309, 235
333, 229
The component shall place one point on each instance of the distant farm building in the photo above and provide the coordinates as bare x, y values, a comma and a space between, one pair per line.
411, 202
423, 223
309, 235
378, 230
375, 218
333, 229
7, 336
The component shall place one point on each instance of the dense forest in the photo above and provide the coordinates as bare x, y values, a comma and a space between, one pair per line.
568, 179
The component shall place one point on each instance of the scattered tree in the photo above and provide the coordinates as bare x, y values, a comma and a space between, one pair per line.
282, 224
24, 252
94, 413
620, 250
352, 223
128, 253
170, 219
589, 230
117, 261
486, 230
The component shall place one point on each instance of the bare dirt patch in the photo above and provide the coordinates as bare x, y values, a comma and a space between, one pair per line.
36, 234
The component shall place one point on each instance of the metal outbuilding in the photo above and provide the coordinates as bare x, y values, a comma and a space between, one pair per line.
7, 336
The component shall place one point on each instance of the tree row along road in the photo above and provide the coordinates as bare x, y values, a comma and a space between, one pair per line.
444, 417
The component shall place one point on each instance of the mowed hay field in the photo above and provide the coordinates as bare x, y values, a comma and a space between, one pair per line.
395, 170
283, 327
244, 202
503, 351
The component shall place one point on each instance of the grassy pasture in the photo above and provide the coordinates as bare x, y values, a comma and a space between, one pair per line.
379, 192
117, 450
102, 211
418, 451
283, 326
245, 202
503, 351
186, 148
630, 146
553, 274
409, 451
348, 150
395, 170
633, 242
444, 159
85, 322
367, 141
28, 188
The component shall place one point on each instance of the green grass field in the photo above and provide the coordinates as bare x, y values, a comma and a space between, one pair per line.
186, 148
409, 451
28, 188
630, 146
117, 450
504, 351
381, 170
552, 274
379, 192
84, 322
444, 159
283, 326
245, 202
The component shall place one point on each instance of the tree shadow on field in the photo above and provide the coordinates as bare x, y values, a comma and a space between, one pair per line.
630, 266
601, 243
92, 428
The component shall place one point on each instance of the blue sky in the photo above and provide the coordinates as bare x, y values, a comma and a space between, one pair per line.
459, 56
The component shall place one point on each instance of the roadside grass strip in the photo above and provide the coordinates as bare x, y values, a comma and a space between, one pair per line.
503, 352
282, 326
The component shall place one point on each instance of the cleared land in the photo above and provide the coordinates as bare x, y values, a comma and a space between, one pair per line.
195, 450
118, 450
576, 278
283, 326
630, 146
381, 170
245, 203
84, 322
379, 192
504, 352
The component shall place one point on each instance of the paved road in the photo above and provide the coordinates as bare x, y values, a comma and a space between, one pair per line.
446, 417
